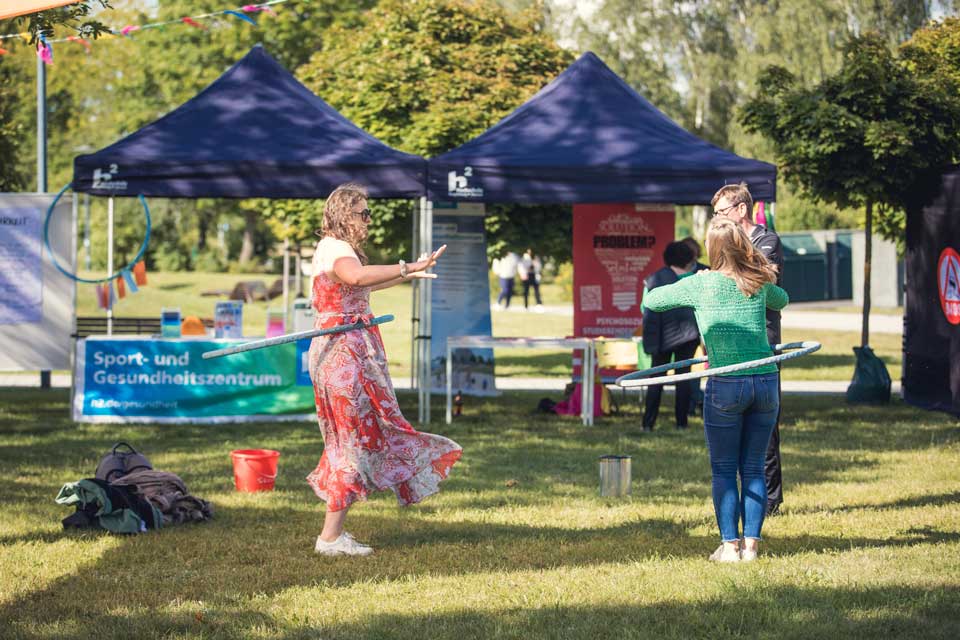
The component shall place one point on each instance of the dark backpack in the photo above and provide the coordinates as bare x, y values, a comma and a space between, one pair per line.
119, 463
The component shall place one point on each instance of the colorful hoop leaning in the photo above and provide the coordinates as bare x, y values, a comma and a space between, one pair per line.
53, 258
638, 379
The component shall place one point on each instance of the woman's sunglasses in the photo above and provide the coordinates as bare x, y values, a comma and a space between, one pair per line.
365, 215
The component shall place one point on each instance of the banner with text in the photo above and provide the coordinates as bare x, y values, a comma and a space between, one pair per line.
615, 246
461, 299
149, 380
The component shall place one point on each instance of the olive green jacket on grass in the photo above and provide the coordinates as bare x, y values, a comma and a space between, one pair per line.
733, 325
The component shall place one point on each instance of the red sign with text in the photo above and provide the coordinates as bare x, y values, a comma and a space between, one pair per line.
615, 246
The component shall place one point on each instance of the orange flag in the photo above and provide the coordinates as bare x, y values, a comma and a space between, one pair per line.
140, 273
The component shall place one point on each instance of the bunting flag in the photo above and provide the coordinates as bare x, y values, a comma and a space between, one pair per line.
46, 52
193, 23
121, 290
110, 298
140, 273
78, 39
239, 15
126, 275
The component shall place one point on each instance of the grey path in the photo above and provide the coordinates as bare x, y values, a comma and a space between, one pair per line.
798, 316
547, 385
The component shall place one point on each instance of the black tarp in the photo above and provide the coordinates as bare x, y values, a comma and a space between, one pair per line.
931, 323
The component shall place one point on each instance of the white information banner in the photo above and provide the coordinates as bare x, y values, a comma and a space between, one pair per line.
21, 277
36, 301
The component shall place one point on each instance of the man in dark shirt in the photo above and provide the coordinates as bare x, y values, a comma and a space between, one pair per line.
734, 201
670, 335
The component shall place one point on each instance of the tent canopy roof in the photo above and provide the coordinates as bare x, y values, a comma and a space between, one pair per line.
254, 132
589, 137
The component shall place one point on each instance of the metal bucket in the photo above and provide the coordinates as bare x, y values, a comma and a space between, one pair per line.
614, 476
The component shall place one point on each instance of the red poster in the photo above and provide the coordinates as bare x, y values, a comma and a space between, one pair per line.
615, 246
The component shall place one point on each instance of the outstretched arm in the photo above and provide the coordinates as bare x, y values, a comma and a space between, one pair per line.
349, 271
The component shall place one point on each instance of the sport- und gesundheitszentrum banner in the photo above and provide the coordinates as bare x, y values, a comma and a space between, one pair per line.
167, 380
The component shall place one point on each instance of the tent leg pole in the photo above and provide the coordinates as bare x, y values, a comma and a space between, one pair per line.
110, 263
286, 283
414, 300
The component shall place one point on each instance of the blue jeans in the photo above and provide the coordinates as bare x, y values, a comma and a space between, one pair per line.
739, 413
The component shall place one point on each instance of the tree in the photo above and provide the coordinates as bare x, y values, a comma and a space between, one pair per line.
866, 136
74, 16
426, 76
124, 83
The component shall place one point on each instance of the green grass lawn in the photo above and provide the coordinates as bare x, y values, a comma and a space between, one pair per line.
834, 362
517, 544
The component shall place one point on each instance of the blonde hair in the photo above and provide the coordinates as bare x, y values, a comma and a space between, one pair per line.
731, 252
340, 221
735, 194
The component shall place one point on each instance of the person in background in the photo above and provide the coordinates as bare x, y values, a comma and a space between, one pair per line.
506, 269
529, 270
671, 335
741, 407
734, 202
696, 395
691, 242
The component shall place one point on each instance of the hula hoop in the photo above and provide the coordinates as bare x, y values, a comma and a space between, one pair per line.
294, 337
638, 379
53, 257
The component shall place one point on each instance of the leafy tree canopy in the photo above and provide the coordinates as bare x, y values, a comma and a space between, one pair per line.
428, 75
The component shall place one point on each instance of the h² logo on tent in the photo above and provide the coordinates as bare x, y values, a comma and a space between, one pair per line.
104, 179
459, 185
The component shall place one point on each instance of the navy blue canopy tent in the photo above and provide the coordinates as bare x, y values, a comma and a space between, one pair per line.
254, 132
588, 137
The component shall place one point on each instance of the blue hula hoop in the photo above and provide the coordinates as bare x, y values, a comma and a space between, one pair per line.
53, 257
640, 379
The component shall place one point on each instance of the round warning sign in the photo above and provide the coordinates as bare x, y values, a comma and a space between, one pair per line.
948, 279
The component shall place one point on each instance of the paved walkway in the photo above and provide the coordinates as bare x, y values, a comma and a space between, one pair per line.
551, 385
798, 316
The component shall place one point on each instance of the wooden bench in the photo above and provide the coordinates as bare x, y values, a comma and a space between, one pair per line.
97, 325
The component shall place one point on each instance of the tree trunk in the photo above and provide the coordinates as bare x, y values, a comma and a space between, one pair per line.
867, 254
249, 232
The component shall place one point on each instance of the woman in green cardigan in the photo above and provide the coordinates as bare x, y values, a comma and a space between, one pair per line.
740, 408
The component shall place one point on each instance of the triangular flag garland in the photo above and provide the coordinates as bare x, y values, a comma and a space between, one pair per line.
140, 273
126, 281
128, 277
45, 47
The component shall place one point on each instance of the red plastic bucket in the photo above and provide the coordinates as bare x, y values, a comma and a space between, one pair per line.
254, 469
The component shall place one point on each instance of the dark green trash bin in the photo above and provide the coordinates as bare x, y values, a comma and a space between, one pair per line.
805, 268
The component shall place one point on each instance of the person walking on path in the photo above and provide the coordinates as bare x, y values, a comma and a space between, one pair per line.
368, 445
741, 407
506, 270
736, 203
529, 269
671, 335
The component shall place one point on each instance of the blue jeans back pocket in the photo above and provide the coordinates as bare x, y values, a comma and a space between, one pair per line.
725, 394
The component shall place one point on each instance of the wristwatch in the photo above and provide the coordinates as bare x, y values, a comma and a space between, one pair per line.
403, 269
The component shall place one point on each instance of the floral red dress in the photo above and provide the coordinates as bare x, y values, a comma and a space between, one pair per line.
368, 445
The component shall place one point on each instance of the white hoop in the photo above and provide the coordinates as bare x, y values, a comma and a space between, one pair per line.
637, 379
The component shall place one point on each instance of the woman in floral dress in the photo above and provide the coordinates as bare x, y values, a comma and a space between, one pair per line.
368, 445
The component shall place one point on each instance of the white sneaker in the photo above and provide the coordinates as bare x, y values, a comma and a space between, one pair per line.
539, 308
345, 545
722, 555
746, 555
